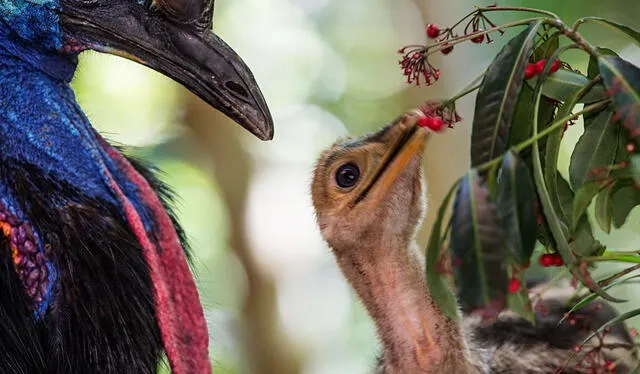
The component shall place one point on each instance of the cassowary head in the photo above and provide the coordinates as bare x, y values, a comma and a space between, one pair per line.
173, 37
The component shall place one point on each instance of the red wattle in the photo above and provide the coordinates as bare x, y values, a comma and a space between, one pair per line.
177, 305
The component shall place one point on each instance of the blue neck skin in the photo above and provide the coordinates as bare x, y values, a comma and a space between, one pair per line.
42, 124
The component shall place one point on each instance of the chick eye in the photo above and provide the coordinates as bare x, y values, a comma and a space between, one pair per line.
347, 175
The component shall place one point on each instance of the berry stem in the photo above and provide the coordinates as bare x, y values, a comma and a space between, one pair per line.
493, 9
519, 9
635, 259
554, 20
622, 253
607, 281
464, 92
571, 33
470, 14
455, 41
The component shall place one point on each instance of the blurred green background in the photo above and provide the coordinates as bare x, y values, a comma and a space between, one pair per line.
274, 299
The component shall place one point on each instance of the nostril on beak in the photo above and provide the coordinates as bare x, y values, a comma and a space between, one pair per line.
236, 89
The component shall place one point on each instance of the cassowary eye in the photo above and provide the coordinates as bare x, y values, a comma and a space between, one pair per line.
183, 11
347, 175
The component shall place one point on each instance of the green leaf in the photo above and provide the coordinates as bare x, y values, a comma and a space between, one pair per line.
590, 118
622, 80
590, 297
625, 198
633, 34
596, 148
594, 69
519, 302
582, 199
476, 248
516, 207
438, 284
561, 84
604, 209
553, 149
555, 224
521, 125
583, 243
635, 167
497, 97
547, 48
565, 196
592, 72
614, 321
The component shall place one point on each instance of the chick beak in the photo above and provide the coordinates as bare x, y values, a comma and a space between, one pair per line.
405, 140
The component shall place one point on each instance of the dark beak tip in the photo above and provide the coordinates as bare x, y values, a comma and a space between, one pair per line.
262, 130
268, 135
265, 136
265, 128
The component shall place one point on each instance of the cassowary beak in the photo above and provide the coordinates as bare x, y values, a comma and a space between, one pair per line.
174, 38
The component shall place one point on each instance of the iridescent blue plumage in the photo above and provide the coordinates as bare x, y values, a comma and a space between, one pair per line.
26, 31
34, 21
42, 124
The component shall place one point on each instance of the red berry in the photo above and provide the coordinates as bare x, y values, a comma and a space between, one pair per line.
432, 123
478, 39
514, 285
555, 66
433, 30
529, 71
557, 260
424, 122
610, 366
539, 66
545, 260
447, 49
631, 147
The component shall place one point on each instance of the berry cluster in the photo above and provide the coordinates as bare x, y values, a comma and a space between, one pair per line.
414, 63
434, 31
432, 123
536, 68
437, 114
593, 359
550, 259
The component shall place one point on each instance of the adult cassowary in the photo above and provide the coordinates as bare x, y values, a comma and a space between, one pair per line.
93, 275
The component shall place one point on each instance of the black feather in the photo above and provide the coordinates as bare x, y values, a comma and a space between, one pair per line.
102, 317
